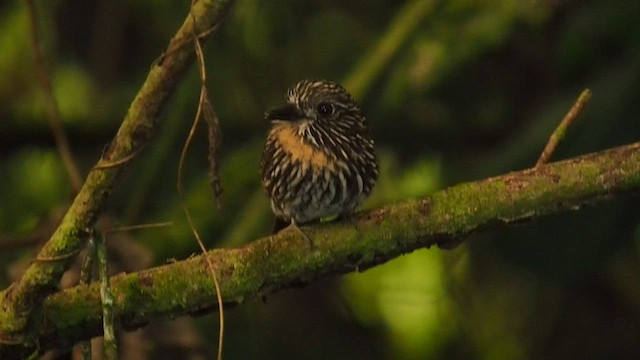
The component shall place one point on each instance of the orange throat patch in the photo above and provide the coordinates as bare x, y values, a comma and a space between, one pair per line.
292, 143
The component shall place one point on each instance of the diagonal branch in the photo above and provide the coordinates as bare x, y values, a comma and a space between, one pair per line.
21, 302
269, 264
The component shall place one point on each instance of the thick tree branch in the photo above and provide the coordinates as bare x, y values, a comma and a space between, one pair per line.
264, 266
20, 304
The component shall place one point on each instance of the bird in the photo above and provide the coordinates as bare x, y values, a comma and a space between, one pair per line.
318, 160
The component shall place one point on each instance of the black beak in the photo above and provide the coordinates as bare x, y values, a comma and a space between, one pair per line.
287, 112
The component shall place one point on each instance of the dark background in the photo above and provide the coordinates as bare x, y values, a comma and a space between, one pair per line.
468, 89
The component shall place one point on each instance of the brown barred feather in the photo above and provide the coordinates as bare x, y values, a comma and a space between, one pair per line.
319, 158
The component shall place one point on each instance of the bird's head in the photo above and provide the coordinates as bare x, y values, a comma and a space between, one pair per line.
319, 104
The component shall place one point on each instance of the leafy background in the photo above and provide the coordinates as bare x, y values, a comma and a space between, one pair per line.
454, 91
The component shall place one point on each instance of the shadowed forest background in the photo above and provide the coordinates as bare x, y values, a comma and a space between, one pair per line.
462, 90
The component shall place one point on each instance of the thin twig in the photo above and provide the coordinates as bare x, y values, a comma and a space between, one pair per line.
106, 297
85, 278
560, 131
203, 78
214, 146
50, 102
198, 238
21, 303
139, 227
104, 164
86, 270
69, 255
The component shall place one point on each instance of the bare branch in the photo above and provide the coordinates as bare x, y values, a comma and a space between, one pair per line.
561, 130
199, 114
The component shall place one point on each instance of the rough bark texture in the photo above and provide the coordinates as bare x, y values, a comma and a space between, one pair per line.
35, 316
20, 310
266, 265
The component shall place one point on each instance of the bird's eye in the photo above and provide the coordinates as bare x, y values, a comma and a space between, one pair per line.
325, 109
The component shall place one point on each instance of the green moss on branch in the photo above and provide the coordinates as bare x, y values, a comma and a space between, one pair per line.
269, 264
20, 304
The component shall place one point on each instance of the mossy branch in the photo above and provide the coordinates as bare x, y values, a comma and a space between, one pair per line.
20, 305
264, 266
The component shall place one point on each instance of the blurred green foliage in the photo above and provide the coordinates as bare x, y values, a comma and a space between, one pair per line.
454, 91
